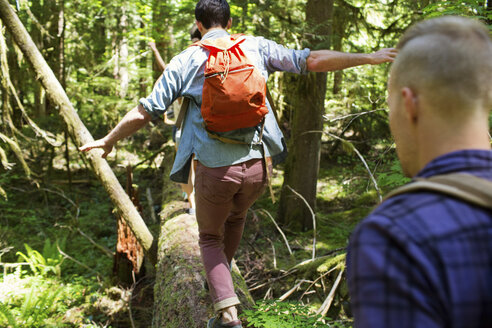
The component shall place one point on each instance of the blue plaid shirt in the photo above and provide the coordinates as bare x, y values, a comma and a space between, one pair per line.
424, 259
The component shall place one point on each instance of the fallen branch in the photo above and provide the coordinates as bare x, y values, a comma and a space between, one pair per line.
66, 256
327, 303
104, 249
271, 281
268, 294
292, 290
314, 219
150, 201
317, 279
318, 258
278, 228
17, 151
274, 256
338, 118
363, 161
130, 301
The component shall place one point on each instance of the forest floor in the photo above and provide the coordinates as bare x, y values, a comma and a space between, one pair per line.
58, 239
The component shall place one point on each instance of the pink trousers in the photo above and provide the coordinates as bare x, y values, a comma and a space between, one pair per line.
223, 196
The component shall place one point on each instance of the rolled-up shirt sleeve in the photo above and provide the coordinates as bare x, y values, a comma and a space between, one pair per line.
165, 91
279, 58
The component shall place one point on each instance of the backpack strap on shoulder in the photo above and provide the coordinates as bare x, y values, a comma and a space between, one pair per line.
466, 187
221, 44
182, 112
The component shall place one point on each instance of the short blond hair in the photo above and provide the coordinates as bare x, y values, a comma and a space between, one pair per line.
447, 60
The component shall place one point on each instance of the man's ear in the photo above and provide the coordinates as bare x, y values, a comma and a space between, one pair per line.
411, 104
200, 27
229, 24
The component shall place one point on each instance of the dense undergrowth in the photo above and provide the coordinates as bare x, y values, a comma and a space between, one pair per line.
56, 272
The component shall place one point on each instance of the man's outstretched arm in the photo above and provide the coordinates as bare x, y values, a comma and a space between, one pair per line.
133, 121
328, 60
158, 58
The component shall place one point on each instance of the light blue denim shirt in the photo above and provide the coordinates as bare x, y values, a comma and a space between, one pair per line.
184, 77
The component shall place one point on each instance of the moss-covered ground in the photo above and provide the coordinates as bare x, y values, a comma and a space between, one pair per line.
76, 288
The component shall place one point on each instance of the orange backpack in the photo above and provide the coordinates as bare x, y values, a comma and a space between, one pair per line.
234, 90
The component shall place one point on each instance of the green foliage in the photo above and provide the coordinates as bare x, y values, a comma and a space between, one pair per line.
49, 262
393, 178
8, 316
276, 314
36, 301
471, 8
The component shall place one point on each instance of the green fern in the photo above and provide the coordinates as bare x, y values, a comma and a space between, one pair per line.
7, 315
48, 262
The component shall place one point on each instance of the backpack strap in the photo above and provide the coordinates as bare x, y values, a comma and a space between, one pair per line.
216, 136
221, 44
466, 187
272, 104
182, 112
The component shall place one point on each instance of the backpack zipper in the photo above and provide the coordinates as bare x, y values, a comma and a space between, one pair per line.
233, 71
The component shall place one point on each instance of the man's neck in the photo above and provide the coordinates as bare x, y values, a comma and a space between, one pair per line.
440, 141
214, 28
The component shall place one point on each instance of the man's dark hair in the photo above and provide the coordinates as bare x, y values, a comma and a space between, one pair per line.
213, 13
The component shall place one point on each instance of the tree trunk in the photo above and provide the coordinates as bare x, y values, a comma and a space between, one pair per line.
162, 32
301, 171
123, 58
128, 259
77, 129
489, 11
338, 36
180, 297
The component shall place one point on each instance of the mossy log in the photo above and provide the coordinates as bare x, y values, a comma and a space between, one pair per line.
180, 298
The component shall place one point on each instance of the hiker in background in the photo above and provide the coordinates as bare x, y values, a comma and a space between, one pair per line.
174, 113
234, 155
423, 258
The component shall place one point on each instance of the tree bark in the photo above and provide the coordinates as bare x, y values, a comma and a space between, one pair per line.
180, 299
489, 11
77, 129
301, 171
123, 58
338, 36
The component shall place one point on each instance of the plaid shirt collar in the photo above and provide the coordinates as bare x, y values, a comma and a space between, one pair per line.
463, 161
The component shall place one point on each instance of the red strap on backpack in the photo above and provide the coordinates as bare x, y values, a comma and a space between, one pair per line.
234, 90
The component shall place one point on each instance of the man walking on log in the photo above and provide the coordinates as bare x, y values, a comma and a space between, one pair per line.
232, 165
423, 258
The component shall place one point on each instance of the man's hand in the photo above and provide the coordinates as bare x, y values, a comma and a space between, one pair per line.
383, 56
101, 143
152, 45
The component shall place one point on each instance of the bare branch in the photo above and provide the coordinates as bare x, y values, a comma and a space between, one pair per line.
278, 228
312, 214
338, 118
317, 279
17, 151
363, 161
327, 303
293, 289
36, 22
65, 255
274, 256
49, 137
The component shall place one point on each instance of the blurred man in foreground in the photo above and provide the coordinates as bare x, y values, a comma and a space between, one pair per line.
424, 258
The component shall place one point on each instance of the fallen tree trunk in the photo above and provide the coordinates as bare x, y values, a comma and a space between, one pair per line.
77, 129
180, 298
